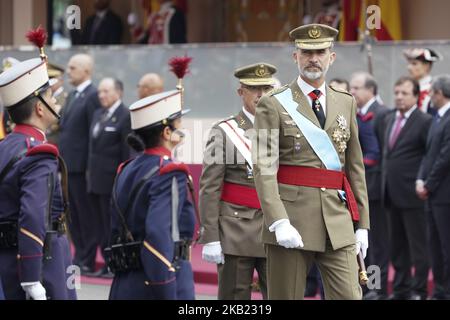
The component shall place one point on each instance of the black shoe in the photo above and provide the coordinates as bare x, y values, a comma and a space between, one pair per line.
374, 295
107, 275
96, 274
440, 296
102, 273
418, 297
311, 289
398, 297
86, 271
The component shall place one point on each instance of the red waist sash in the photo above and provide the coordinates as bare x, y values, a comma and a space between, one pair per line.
319, 178
240, 195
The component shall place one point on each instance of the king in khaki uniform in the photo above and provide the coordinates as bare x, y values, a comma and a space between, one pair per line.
230, 212
308, 160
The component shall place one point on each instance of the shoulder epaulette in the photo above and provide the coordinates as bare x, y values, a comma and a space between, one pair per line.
123, 164
174, 166
223, 120
340, 91
277, 90
43, 148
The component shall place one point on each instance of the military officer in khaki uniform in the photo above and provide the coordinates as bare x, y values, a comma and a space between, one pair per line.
230, 213
56, 81
307, 161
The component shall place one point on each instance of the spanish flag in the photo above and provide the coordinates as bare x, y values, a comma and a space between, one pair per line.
355, 16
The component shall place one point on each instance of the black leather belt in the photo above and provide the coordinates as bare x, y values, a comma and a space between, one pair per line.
182, 250
8, 234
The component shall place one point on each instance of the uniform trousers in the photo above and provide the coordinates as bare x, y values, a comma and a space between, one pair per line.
101, 217
82, 230
409, 249
287, 270
236, 277
438, 217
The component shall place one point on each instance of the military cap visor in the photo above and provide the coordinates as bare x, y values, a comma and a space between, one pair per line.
258, 74
22, 80
54, 70
313, 36
154, 110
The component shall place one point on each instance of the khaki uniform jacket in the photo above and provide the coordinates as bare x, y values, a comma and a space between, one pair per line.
317, 213
238, 228
53, 132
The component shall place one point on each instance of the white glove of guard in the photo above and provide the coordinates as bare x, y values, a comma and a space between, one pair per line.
286, 235
362, 241
35, 290
212, 252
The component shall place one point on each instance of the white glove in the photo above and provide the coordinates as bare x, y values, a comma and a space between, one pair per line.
362, 241
34, 290
287, 236
212, 252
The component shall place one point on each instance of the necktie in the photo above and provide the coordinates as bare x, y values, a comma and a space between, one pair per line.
70, 101
317, 107
103, 118
396, 130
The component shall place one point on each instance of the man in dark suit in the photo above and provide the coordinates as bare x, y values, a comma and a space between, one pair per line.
370, 113
433, 184
404, 147
104, 27
107, 149
74, 146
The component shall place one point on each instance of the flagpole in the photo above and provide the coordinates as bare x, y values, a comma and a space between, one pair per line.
367, 39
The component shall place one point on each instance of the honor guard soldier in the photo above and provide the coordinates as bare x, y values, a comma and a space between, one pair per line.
231, 217
307, 162
6, 124
153, 221
34, 251
420, 62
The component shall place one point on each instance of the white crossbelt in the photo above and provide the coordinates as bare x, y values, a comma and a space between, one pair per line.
238, 138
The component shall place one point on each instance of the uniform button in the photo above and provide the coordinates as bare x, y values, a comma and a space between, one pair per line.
323, 189
235, 213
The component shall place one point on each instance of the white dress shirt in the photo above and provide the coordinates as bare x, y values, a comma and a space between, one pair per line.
366, 107
249, 115
307, 88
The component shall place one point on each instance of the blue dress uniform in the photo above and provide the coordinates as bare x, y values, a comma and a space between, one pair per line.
162, 275
24, 196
